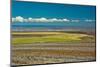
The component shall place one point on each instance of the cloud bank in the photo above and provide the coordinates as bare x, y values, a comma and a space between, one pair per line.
43, 19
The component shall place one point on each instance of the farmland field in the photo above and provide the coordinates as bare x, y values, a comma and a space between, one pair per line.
52, 47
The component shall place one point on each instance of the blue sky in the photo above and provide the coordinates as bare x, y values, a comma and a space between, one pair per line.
51, 14
37, 10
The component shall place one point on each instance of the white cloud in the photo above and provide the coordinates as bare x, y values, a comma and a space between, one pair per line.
42, 19
18, 19
75, 20
29, 19
89, 20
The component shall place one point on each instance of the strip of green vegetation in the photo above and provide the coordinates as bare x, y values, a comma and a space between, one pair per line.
62, 38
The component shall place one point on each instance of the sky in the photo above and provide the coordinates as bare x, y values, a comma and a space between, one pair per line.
53, 14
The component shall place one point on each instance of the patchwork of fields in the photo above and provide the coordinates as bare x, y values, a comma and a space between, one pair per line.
51, 47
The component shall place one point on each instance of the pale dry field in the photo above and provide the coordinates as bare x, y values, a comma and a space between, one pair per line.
46, 53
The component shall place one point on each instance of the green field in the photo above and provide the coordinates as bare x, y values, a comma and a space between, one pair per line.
50, 37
